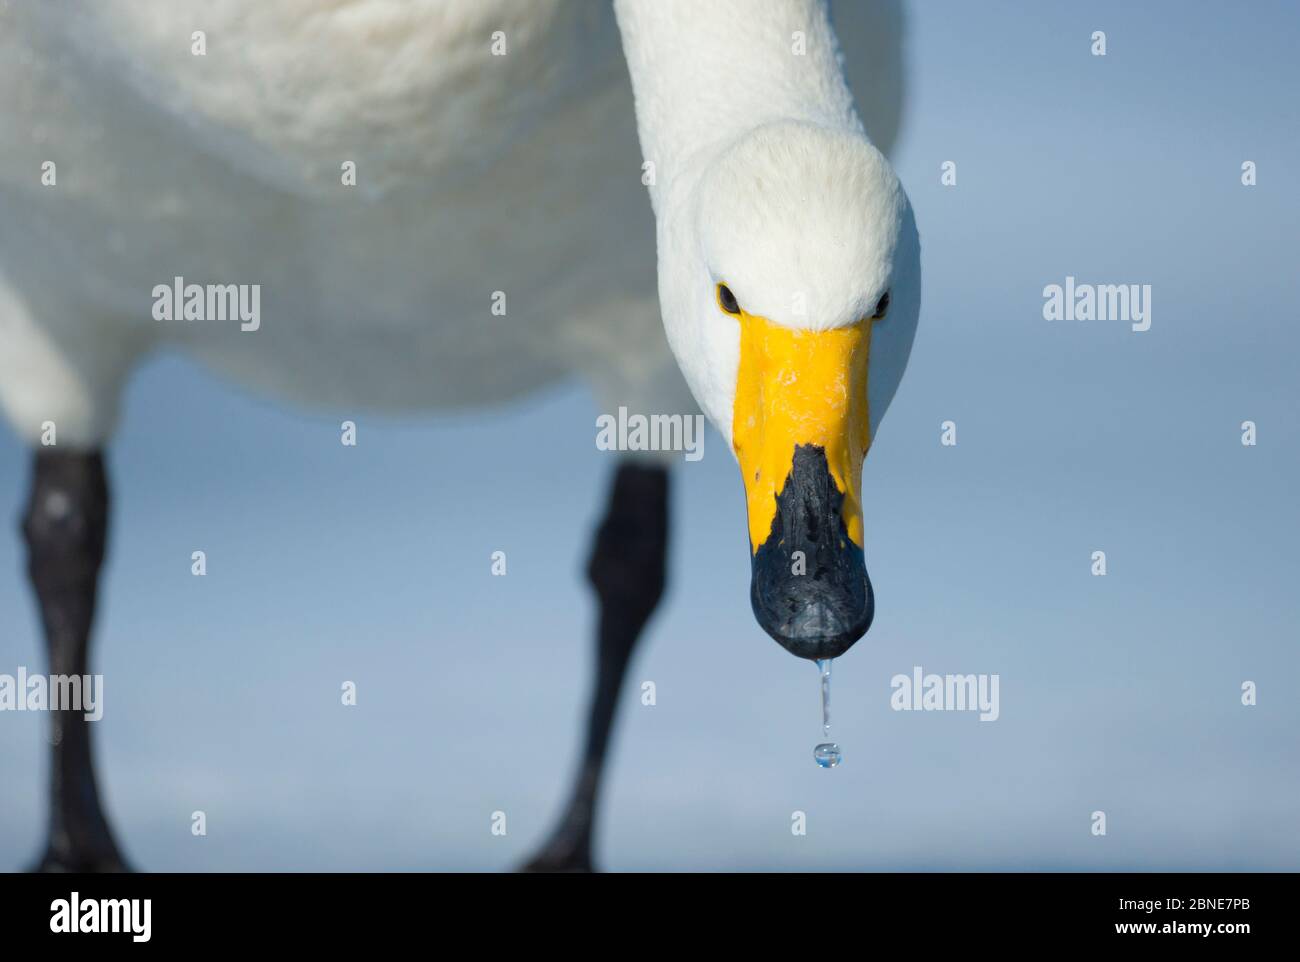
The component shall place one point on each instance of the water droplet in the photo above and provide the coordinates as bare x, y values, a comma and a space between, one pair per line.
824, 669
828, 754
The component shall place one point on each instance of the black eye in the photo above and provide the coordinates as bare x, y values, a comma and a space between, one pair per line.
882, 307
728, 299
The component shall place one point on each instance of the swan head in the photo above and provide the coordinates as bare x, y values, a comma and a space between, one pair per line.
791, 290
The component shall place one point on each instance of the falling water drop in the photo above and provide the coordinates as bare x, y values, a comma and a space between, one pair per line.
827, 754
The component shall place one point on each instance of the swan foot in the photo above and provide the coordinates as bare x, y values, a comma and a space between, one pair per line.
627, 569
79, 864
555, 860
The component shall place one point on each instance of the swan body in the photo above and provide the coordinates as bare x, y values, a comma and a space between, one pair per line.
477, 175
428, 204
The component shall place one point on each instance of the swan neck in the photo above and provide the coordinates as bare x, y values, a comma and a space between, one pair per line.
705, 74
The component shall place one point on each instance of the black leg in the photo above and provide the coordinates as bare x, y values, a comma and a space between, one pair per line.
627, 571
65, 528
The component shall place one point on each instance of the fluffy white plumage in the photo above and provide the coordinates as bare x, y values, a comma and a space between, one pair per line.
769, 184
476, 173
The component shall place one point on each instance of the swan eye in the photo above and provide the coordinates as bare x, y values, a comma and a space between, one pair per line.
882, 307
727, 300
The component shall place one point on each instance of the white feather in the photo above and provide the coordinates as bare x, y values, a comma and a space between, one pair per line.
476, 174
768, 183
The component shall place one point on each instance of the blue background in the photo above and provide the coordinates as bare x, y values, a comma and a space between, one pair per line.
1119, 694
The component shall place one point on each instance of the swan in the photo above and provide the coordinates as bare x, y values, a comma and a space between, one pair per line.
442, 204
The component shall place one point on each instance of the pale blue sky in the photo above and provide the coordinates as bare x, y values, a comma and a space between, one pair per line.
1118, 693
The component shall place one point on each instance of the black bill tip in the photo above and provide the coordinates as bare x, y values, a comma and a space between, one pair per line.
809, 588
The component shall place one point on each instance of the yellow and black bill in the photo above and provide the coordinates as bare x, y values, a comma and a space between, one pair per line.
801, 430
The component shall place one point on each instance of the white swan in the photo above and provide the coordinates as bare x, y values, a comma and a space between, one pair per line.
496, 165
